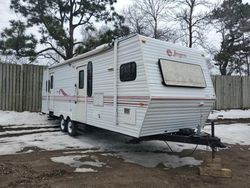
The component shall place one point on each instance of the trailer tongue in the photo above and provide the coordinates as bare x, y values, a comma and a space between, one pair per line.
188, 136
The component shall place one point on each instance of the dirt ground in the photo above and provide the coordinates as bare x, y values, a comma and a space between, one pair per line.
37, 170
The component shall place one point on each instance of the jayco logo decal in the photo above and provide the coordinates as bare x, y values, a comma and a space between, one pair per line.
174, 53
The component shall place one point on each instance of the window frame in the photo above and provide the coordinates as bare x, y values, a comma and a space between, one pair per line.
90, 79
170, 85
49, 86
122, 79
81, 82
51, 81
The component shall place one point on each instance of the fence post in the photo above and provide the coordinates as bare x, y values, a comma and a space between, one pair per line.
1, 85
21, 90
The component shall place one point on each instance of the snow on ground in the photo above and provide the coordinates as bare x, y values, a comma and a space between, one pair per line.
46, 141
71, 160
237, 133
85, 170
28, 131
150, 159
16, 118
229, 114
148, 154
76, 162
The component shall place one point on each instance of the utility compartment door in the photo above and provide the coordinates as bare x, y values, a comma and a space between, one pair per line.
81, 94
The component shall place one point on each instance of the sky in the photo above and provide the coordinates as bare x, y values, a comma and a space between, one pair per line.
6, 14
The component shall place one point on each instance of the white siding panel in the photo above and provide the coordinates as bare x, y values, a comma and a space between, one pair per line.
153, 50
136, 91
171, 115
129, 93
172, 108
129, 51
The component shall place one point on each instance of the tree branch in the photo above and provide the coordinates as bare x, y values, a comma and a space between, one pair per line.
53, 48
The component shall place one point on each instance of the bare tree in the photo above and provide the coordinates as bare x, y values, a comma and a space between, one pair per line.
135, 18
150, 17
192, 16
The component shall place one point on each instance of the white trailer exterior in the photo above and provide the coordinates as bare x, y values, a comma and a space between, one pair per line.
165, 87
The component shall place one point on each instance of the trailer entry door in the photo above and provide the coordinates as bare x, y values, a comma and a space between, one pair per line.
51, 90
81, 94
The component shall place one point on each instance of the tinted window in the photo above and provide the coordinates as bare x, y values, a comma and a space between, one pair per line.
49, 86
89, 79
51, 82
128, 72
81, 79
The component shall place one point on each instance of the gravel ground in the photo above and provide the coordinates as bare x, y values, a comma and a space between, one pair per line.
36, 169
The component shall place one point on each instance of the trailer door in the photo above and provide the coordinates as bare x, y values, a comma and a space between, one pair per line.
51, 88
81, 94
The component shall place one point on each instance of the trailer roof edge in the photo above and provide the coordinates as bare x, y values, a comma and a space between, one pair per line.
97, 50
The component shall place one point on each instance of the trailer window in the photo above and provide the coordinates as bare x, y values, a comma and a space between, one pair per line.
51, 82
81, 79
128, 72
89, 79
182, 74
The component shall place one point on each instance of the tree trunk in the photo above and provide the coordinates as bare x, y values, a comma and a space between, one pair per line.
155, 28
70, 49
248, 68
190, 37
223, 68
190, 26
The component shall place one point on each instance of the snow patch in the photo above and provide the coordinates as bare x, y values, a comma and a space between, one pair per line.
45, 125
229, 114
96, 163
84, 170
76, 162
81, 152
109, 155
46, 141
151, 160
21, 118
28, 131
71, 160
232, 134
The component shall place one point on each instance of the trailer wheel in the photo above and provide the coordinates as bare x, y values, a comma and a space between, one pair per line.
71, 128
63, 126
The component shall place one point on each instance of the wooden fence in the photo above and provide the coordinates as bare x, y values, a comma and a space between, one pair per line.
232, 92
21, 87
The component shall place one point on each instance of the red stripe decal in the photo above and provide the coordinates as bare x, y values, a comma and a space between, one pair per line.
61, 91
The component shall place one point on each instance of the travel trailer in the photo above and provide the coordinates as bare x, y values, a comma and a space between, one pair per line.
137, 86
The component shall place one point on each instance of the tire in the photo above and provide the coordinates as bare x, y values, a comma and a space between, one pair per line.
71, 128
63, 125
